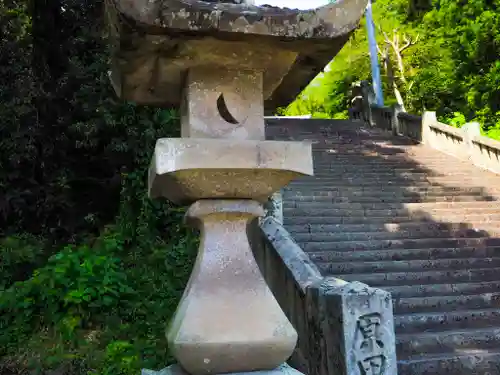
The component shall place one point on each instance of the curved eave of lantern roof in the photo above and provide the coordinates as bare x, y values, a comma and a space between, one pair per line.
316, 36
329, 21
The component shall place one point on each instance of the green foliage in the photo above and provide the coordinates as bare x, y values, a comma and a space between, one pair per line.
75, 284
19, 256
453, 68
116, 291
457, 120
66, 141
91, 270
121, 359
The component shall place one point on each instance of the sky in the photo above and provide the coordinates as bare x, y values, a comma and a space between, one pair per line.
294, 4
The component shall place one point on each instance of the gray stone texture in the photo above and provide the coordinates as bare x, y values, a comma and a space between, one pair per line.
403, 217
274, 207
155, 42
228, 319
283, 369
344, 328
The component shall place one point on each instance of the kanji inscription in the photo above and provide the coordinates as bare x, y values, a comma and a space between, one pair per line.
369, 348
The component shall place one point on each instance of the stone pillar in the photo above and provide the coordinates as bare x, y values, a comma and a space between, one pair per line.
428, 118
228, 320
470, 131
396, 110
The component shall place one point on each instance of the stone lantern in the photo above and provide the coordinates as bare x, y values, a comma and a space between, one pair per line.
224, 65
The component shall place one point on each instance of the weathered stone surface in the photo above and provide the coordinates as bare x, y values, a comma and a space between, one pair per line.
303, 270
344, 326
421, 226
157, 42
324, 22
354, 328
223, 103
274, 207
228, 320
188, 169
284, 369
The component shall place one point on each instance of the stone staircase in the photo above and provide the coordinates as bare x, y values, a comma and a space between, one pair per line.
411, 220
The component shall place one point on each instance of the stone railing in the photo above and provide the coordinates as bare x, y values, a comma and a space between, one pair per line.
383, 116
465, 143
343, 328
409, 125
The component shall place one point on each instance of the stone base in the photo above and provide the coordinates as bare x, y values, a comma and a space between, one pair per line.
284, 369
228, 320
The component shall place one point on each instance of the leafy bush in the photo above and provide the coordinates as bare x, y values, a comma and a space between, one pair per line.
114, 291
98, 269
76, 282
457, 120
19, 256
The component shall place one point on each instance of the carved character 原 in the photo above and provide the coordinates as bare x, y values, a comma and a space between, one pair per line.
370, 347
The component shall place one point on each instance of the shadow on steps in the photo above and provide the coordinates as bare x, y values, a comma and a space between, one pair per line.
397, 215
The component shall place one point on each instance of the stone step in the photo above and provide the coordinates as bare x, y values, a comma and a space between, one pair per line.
388, 166
369, 190
292, 201
463, 362
334, 175
358, 151
405, 265
300, 200
387, 212
439, 321
396, 169
332, 191
346, 183
485, 217
484, 231
388, 206
412, 277
324, 159
392, 168
376, 177
404, 211
417, 243
458, 288
410, 227
338, 154
447, 341
403, 254
446, 303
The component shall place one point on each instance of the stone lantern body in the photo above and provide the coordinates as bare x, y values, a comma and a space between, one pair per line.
224, 65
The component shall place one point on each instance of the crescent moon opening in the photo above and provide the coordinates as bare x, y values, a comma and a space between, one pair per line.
224, 111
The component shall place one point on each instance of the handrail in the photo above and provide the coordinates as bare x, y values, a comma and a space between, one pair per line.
464, 143
487, 142
333, 318
456, 132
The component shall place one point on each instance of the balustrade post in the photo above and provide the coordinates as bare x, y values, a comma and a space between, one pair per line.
396, 110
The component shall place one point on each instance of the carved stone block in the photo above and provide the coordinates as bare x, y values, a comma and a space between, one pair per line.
223, 103
353, 328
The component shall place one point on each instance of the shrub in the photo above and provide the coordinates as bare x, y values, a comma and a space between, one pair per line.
19, 256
